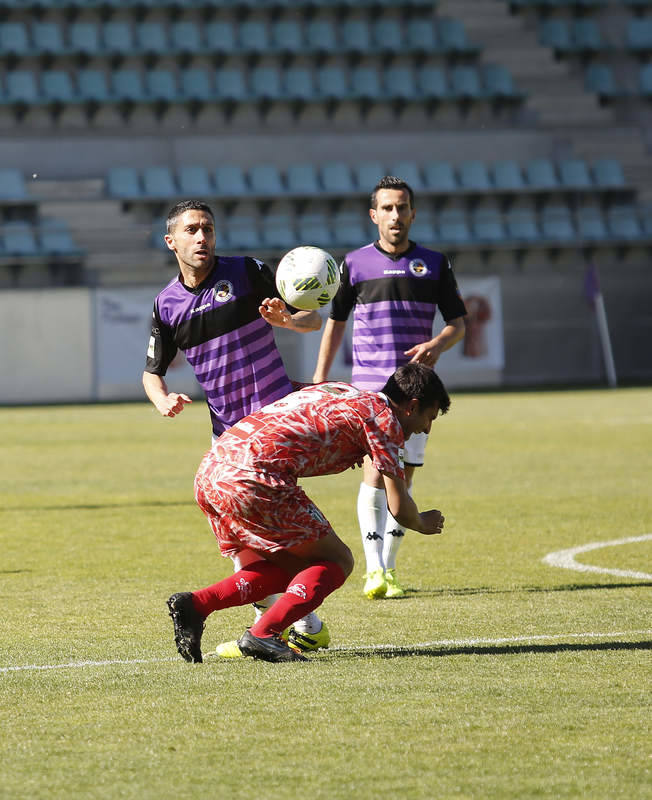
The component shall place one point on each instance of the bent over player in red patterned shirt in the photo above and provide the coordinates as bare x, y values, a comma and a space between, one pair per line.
247, 486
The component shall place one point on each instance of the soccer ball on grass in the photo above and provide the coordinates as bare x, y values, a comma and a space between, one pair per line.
307, 277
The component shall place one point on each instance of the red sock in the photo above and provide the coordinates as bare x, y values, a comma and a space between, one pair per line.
252, 583
305, 593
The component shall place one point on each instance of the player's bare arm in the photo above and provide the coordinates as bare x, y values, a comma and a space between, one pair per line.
168, 404
274, 311
428, 352
330, 342
405, 511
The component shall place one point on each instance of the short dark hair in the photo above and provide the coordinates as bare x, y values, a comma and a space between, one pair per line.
180, 208
391, 182
419, 382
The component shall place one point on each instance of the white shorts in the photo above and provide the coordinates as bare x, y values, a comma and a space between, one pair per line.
414, 451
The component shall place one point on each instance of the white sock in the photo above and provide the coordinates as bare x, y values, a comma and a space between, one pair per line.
392, 538
372, 512
308, 624
261, 606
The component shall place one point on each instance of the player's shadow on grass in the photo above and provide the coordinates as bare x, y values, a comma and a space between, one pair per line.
472, 590
438, 651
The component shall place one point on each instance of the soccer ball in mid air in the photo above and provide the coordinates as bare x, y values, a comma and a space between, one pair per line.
307, 277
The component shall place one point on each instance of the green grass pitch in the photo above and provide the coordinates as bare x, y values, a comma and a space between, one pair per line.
498, 676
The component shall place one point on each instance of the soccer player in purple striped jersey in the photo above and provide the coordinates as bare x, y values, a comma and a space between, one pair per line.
394, 288
219, 311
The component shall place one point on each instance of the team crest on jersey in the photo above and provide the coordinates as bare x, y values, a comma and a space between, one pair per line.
223, 291
418, 268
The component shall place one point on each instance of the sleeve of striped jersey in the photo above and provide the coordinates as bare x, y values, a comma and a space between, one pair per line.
451, 304
163, 346
344, 300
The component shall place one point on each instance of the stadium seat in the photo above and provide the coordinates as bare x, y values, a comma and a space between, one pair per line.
623, 223
221, 37
123, 183
185, 38
499, 84
645, 81
253, 37
638, 34
590, 224
608, 174
48, 39
421, 36
332, 83
540, 174
230, 85
277, 230
387, 36
336, 178
587, 37
349, 229
555, 34
19, 239
287, 37
230, 181
152, 39
194, 181
158, 182
128, 86
507, 176
574, 174
118, 38
84, 38
433, 85
56, 87
21, 88
452, 37
355, 36
557, 223
242, 232
366, 175
302, 180
299, 84
600, 79
12, 185
465, 83
265, 83
55, 239
522, 225
487, 226
265, 180
453, 227
14, 40
161, 86
321, 38
408, 171
440, 177
366, 84
196, 86
474, 176
400, 83
92, 86
314, 228
423, 231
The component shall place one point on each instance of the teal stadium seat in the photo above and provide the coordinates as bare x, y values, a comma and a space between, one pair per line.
14, 40
124, 183
57, 87
465, 83
349, 228
48, 39
221, 37
287, 37
454, 227
366, 84
423, 231
230, 181
600, 79
332, 84
440, 177
12, 185
575, 174
313, 228
159, 183
266, 84
645, 81
127, 86
507, 176
195, 181
231, 85
321, 39
608, 174
302, 180
253, 37
541, 174
299, 85
410, 172
118, 38
242, 232
522, 225
265, 180
487, 226
421, 36
355, 36
499, 84
185, 38
590, 224
196, 85
453, 38
84, 39
387, 36
400, 83
587, 36
161, 86
638, 35
557, 223
623, 223
336, 178
433, 84
19, 239
474, 176
152, 39
21, 88
277, 230
55, 239
555, 34
366, 175
92, 86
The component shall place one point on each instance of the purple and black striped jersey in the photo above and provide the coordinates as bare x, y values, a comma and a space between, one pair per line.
228, 344
394, 302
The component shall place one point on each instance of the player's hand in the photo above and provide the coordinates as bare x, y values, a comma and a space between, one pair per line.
433, 522
173, 404
424, 353
274, 311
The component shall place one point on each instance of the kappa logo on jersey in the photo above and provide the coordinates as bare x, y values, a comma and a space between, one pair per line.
418, 268
223, 291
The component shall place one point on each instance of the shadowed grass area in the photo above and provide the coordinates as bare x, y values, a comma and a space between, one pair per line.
497, 676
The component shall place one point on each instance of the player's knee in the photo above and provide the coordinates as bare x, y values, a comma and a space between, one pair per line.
345, 560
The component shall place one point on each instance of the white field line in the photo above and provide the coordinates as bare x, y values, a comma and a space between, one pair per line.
503, 640
566, 558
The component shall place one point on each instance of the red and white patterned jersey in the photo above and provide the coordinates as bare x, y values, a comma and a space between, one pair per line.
319, 430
